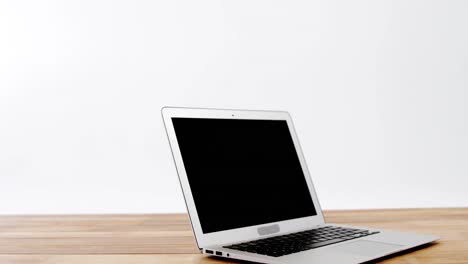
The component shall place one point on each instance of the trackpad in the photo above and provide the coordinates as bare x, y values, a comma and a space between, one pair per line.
367, 248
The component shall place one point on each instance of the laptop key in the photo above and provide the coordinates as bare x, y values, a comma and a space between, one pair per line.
324, 243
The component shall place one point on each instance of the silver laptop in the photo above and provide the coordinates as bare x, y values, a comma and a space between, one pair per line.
250, 196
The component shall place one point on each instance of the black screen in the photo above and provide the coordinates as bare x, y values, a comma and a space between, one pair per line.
242, 172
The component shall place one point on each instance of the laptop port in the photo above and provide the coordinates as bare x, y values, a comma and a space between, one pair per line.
218, 253
207, 251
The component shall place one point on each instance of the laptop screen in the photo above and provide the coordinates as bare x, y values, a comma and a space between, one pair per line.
242, 172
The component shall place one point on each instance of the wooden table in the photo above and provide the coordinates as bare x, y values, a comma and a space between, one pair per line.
167, 238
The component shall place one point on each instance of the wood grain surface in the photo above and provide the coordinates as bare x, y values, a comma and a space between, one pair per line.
167, 238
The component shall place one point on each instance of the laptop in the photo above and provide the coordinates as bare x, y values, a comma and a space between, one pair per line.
250, 196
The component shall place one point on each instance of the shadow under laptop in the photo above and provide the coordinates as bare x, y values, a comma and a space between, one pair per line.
214, 259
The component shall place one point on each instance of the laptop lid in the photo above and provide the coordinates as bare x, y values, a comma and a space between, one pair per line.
243, 174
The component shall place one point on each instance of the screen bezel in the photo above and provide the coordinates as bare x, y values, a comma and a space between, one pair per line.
244, 233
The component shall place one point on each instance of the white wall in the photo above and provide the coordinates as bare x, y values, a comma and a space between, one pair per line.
378, 91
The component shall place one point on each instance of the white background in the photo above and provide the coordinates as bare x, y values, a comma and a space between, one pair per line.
378, 91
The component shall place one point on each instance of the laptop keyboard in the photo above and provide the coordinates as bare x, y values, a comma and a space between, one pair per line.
295, 242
